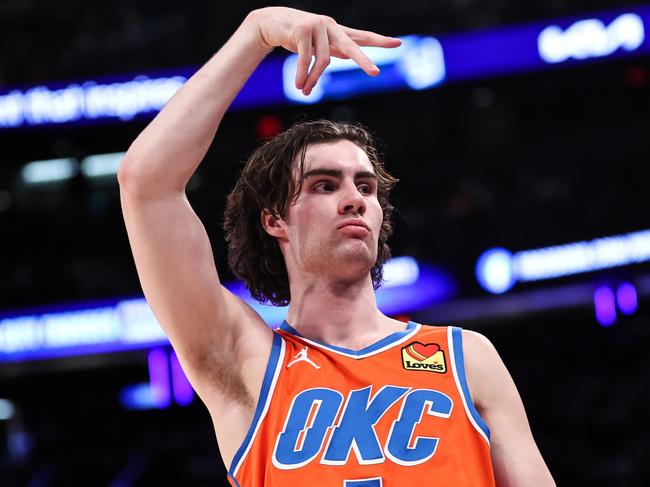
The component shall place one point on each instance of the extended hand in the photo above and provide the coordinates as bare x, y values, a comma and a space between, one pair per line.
309, 34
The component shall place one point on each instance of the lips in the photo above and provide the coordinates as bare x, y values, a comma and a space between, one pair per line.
355, 223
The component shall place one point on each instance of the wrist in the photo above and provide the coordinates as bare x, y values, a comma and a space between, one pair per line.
251, 25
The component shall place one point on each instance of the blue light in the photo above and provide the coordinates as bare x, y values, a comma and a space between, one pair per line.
626, 297
494, 270
591, 38
49, 171
123, 99
156, 394
419, 63
401, 271
433, 285
423, 64
102, 165
159, 378
605, 306
181, 387
137, 397
118, 325
562, 260
84, 328
272, 315
7, 409
292, 93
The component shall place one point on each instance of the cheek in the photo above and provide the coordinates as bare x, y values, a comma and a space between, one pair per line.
377, 215
308, 218
307, 221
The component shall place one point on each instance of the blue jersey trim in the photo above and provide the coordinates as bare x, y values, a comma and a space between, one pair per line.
234, 480
390, 339
457, 334
261, 404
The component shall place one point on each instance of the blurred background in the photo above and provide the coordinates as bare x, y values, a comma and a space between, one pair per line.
517, 126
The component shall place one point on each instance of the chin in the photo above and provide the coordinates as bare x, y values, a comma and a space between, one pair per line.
354, 264
351, 260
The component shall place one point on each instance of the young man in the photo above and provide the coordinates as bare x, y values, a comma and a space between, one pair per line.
341, 395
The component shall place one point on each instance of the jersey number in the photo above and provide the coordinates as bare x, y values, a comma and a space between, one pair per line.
374, 482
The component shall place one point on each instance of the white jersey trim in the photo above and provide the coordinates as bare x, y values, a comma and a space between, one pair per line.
276, 360
454, 339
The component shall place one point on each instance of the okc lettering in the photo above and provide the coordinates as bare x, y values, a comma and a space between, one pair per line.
313, 412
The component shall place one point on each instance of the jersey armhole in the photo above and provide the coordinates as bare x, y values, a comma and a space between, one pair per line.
455, 339
273, 367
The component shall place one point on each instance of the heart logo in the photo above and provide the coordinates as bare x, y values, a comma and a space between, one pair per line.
420, 351
426, 350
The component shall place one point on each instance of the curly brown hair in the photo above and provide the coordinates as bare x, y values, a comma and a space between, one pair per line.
267, 182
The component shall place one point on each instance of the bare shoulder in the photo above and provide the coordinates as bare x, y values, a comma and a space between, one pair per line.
476, 343
491, 386
515, 457
479, 351
483, 366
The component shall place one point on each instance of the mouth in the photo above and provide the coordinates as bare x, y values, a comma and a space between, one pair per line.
355, 224
355, 229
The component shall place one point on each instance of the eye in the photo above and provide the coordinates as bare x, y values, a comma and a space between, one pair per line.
323, 186
365, 188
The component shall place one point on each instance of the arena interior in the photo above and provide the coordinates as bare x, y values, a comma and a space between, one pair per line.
520, 132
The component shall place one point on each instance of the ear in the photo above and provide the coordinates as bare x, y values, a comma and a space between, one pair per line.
273, 224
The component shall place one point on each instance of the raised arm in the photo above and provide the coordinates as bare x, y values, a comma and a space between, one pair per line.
170, 245
516, 459
222, 344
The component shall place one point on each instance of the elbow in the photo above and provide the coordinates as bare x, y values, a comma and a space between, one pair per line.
142, 178
132, 177
124, 172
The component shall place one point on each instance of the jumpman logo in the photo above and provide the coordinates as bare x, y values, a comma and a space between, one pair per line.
302, 357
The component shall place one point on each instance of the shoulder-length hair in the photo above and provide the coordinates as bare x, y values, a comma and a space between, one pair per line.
268, 182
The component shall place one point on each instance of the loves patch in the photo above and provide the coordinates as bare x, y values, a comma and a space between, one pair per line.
424, 356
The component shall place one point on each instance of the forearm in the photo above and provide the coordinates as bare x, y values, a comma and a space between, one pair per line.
166, 154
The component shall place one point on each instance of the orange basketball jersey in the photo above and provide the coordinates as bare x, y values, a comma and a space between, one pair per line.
393, 414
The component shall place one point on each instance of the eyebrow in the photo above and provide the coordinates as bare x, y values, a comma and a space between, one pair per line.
337, 173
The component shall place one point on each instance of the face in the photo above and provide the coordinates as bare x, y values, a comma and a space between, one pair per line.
333, 227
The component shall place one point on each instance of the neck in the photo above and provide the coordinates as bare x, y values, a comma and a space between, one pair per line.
342, 314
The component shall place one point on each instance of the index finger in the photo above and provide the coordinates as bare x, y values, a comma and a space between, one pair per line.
345, 45
368, 38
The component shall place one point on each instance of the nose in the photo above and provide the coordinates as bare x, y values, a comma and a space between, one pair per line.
352, 202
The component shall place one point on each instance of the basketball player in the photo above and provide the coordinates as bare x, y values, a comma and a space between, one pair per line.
340, 395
